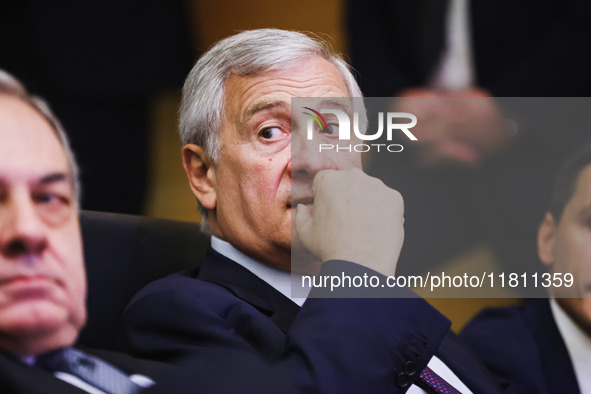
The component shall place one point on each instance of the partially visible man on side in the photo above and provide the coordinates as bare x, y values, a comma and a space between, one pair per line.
252, 174
42, 277
544, 346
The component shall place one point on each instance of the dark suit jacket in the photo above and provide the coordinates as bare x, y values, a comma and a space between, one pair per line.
523, 345
376, 344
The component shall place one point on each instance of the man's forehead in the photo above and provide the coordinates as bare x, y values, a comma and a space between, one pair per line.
340, 103
19, 116
30, 147
313, 77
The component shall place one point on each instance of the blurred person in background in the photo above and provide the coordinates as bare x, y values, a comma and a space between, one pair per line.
444, 61
544, 346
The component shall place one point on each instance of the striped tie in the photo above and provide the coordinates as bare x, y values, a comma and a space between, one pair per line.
90, 369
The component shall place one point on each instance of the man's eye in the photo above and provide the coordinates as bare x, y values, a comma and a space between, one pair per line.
331, 129
271, 133
50, 199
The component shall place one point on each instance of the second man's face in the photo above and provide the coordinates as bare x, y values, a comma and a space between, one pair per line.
42, 280
571, 245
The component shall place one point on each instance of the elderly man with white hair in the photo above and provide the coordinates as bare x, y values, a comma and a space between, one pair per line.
253, 174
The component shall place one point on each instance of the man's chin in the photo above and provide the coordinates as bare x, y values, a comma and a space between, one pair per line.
36, 317
28, 337
304, 262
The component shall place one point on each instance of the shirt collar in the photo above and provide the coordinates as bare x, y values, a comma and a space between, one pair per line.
278, 279
578, 345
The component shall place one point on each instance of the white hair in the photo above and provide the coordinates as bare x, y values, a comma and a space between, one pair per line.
10, 86
249, 53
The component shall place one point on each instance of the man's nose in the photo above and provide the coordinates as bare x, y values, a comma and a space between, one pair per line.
22, 230
306, 158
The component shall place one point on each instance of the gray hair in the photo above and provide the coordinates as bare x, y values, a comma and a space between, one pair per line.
249, 53
10, 86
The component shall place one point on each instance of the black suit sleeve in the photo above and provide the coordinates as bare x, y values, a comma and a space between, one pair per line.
356, 345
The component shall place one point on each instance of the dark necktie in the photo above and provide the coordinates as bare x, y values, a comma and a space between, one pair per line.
90, 369
433, 383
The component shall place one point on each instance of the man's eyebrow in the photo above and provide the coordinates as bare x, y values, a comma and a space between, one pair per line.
261, 107
335, 104
54, 177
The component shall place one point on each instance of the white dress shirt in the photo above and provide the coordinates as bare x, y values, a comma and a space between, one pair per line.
578, 345
281, 281
278, 279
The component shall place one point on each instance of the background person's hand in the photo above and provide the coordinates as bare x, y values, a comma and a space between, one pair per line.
462, 128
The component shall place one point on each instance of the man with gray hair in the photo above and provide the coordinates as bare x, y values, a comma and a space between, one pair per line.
253, 173
42, 277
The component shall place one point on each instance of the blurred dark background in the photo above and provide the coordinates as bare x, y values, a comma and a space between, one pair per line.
100, 64
112, 71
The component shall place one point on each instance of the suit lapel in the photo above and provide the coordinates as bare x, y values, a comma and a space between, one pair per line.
224, 272
556, 363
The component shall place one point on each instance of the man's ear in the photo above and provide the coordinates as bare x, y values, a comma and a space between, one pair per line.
546, 239
201, 175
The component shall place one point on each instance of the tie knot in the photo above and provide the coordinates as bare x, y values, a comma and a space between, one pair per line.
90, 369
64, 360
